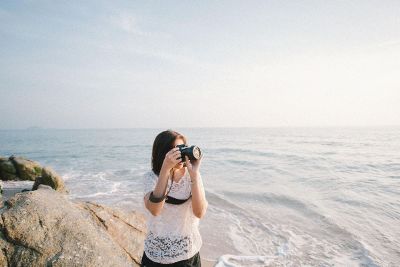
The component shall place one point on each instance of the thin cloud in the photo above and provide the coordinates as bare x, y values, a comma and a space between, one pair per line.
129, 23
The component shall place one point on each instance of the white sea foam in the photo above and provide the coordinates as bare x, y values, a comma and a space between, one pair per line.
253, 261
17, 184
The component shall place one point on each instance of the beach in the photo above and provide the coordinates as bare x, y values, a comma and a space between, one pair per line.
286, 196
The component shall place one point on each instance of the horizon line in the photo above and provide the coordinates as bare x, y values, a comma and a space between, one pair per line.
209, 127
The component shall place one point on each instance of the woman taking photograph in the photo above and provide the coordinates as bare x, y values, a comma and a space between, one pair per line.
175, 199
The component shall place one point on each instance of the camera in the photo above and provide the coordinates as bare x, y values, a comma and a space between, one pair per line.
193, 152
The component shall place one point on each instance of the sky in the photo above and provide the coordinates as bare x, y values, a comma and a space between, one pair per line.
167, 64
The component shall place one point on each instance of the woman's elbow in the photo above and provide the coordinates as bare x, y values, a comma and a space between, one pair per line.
153, 210
200, 213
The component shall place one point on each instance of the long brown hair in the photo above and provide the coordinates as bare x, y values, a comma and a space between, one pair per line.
163, 143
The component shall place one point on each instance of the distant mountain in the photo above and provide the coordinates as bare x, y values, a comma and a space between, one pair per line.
34, 128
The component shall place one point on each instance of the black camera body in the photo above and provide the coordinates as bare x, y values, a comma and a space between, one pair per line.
193, 152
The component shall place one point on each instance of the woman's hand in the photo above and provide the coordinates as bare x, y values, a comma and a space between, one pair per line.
193, 167
172, 158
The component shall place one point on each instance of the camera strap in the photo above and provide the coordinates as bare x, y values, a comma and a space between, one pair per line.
176, 201
172, 200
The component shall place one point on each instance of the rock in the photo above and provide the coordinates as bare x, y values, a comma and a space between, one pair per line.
8, 177
126, 229
51, 178
26, 169
4, 246
44, 228
7, 166
7, 170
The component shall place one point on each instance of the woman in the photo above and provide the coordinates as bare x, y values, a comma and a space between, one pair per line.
175, 199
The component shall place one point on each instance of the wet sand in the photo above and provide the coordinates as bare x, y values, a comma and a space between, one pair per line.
207, 263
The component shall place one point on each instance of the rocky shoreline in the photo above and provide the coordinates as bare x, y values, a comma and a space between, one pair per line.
42, 227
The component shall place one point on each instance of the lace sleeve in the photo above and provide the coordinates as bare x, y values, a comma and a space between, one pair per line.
150, 181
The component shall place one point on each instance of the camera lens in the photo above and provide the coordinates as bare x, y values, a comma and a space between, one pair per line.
196, 152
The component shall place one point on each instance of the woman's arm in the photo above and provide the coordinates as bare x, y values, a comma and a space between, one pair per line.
199, 202
159, 191
170, 160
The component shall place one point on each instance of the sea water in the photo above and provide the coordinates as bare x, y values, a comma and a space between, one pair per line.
277, 196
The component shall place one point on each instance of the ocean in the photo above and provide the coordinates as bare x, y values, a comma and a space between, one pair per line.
277, 196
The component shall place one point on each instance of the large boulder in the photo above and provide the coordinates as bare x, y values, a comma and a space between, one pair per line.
52, 179
125, 228
7, 169
7, 166
26, 169
5, 176
44, 228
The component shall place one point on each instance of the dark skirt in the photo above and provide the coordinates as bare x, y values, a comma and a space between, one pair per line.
192, 262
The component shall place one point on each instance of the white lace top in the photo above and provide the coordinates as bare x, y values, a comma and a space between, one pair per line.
174, 234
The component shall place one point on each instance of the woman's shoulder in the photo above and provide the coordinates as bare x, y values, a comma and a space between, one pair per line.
149, 180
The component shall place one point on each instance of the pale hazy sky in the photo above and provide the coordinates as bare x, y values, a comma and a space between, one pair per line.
167, 64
